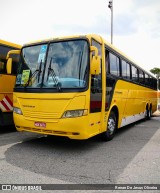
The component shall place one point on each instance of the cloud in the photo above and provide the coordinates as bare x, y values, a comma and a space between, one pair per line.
125, 24
99, 26
145, 3
136, 16
148, 14
136, 23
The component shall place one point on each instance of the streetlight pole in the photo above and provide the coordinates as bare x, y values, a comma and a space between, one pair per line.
110, 5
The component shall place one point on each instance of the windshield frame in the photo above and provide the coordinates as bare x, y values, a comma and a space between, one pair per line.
54, 89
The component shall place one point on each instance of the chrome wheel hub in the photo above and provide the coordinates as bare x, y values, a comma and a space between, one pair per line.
111, 125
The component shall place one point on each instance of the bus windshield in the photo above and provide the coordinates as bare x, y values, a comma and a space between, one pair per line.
57, 65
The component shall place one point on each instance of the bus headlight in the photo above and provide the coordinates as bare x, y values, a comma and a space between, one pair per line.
75, 113
17, 111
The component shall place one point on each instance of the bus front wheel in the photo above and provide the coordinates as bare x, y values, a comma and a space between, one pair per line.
111, 127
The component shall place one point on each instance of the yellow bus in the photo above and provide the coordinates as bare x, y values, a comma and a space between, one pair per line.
7, 82
159, 98
78, 87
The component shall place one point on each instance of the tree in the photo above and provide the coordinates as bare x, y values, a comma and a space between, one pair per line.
156, 71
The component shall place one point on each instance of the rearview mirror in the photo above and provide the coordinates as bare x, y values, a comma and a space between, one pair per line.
12, 52
9, 60
95, 65
96, 61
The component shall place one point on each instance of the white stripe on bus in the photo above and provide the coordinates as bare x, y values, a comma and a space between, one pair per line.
7, 103
2, 107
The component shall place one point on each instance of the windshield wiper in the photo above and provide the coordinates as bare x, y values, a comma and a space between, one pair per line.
80, 64
34, 73
53, 75
39, 71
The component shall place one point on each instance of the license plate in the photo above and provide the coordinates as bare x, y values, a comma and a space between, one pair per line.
40, 124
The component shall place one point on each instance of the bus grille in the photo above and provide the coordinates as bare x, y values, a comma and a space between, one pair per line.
42, 115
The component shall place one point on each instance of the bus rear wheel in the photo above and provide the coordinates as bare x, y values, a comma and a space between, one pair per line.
111, 127
148, 113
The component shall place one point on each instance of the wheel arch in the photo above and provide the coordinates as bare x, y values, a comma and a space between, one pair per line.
116, 111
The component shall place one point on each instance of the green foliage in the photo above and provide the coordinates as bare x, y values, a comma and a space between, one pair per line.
156, 71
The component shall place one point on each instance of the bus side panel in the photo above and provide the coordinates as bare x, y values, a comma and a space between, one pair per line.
6, 83
131, 101
6, 99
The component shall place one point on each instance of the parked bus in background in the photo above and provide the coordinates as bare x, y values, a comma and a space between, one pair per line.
78, 87
159, 98
7, 82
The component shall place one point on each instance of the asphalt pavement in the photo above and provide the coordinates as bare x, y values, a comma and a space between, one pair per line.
132, 157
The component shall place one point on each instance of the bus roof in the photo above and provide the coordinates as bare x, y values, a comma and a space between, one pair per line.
53, 39
10, 44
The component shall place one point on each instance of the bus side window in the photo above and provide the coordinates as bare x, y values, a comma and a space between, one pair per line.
3, 52
153, 84
110, 81
2, 66
134, 74
146, 80
125, 70
150, 81
110, 84
128, 74
114, 64
141, 76
107, 61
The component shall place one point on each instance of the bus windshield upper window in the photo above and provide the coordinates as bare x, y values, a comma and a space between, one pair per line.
67, 64
31, 66
59, 64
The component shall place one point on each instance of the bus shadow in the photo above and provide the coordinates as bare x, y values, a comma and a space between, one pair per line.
87, 161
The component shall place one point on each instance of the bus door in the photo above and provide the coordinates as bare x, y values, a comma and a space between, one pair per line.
96, 96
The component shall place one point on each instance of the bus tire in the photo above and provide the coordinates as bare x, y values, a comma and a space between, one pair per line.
111, 127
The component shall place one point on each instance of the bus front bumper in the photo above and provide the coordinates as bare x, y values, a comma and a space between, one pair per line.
74, 128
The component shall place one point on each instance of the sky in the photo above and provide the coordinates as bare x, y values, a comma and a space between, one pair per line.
136, 23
